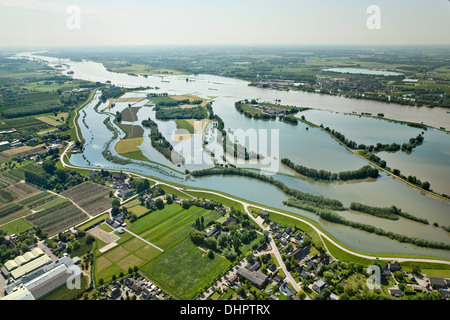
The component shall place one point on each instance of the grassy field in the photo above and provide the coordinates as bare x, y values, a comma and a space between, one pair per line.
128, 145
129, 252
54, 120
183, 124
184, 270
226, 202
17, 226
138, 210
93, 222
166, 227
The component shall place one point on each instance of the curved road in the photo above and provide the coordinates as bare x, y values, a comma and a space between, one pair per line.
246, 205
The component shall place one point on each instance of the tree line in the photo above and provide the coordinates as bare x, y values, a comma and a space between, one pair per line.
197, 113
160, 143
392, 213
335, 218
393, 147
309, 201
362, 173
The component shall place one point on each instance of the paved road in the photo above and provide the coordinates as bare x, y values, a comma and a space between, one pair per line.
140, 238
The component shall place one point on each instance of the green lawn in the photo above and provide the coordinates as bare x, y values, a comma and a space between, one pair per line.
17, 226
93, 221
183, 124
138, 210
184, 270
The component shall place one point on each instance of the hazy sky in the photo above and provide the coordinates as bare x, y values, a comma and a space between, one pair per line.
146, 22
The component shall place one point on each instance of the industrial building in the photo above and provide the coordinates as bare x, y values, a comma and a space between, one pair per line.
40, 281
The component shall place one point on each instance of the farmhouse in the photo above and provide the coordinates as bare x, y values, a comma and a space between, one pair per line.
115, 294
253, 266
319, 285
395, 292
437, 283
301, 253
119, 176
229, 222
258, 279
264, 215
210, 232
394, 266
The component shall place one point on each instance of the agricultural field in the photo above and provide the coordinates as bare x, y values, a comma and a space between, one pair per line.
93, 222
136, 68
4, 157
168, 226
53, 120
12, 211
64, 293
132, 131
37, 199
128, 145
184, 270
28, 124
92, 197
10, 196
130, 114
24, 151
128, 253
57, 218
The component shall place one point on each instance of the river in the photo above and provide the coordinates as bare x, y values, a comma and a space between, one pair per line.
311, 147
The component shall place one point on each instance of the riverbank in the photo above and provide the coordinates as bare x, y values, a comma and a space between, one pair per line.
245, 203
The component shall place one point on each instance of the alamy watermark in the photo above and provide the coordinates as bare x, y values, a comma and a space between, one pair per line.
374, 280
73, 21
74, 280
373, 22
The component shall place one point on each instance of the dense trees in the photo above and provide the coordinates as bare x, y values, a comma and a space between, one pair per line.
362, 173
393, 147
30, 110
53, 178
413, 142
198, 113
392, 213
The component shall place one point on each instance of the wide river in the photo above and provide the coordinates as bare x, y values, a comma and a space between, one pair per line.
311, 147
